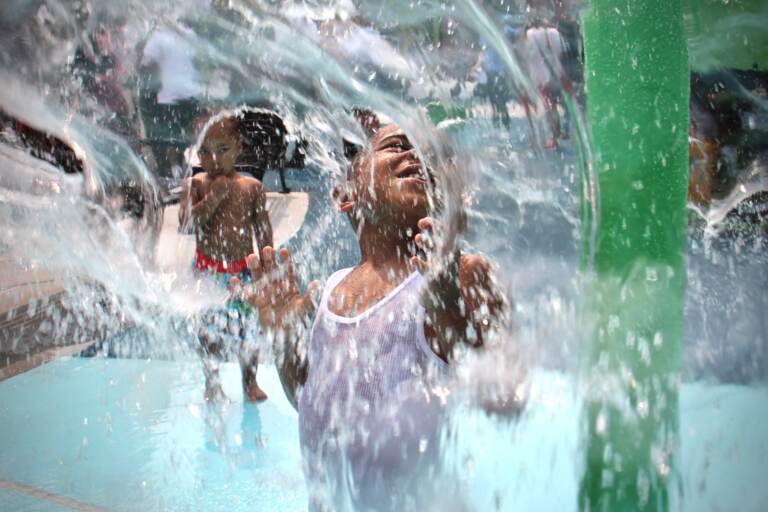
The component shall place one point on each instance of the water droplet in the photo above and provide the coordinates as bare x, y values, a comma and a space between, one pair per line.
642, 408
601, 423
607, 478
423, 442
469, 465
194, 410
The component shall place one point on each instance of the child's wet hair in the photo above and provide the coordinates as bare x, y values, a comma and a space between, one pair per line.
236, 120
371, 124
262, 133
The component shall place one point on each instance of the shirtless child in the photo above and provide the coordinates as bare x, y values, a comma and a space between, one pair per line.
225, 209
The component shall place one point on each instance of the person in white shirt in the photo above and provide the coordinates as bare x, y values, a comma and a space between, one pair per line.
544, 49
172, 49
170, 52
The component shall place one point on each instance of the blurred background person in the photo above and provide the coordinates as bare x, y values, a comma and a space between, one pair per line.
170, 99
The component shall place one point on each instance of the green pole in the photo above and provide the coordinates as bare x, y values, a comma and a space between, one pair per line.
436, 31
637, 82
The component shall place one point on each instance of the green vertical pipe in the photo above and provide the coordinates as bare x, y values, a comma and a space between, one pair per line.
436, 31
637, 80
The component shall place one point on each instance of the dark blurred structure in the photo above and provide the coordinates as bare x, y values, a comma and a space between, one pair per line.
41, 145
729, 121
95, 66
264, 134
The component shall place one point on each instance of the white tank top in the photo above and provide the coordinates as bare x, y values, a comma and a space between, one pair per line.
369, 419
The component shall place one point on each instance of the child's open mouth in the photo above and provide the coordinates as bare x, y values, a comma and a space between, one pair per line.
412, 173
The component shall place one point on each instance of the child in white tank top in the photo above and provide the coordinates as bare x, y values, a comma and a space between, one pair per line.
368, 383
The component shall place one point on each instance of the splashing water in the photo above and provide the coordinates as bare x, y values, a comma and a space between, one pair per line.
423, 65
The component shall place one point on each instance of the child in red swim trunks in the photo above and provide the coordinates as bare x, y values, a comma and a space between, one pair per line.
226, 209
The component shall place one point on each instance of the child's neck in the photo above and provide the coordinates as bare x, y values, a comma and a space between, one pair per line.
386, 248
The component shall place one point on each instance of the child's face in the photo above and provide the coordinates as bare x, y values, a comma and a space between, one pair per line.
390, 181
220, 149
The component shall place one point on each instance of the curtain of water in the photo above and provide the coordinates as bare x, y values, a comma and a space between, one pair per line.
426, 65
308, 63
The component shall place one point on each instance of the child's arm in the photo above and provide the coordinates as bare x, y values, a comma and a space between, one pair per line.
262, 224
460, 300
462, 305
284, 313
199, 210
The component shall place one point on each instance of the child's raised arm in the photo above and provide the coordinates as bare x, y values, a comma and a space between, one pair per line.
463, 305
460, 300
284, 313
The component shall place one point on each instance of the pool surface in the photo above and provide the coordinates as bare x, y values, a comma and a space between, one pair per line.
95, 434
117, 434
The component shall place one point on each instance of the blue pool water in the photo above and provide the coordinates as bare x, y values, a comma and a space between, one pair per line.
136, 435
12, 500
126, 434
535, 463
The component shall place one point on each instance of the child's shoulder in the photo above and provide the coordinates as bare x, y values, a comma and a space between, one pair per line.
200, 178
197, 183
341, 273
249, 181
336, 278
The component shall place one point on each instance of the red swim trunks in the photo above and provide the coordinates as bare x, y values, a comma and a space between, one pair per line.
203, 262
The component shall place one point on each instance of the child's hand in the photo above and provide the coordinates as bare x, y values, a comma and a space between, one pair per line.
459, 294
220, 187
276, 295
442, 283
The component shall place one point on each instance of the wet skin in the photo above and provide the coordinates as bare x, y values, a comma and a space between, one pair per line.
388, 185
386, 196
225, 207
